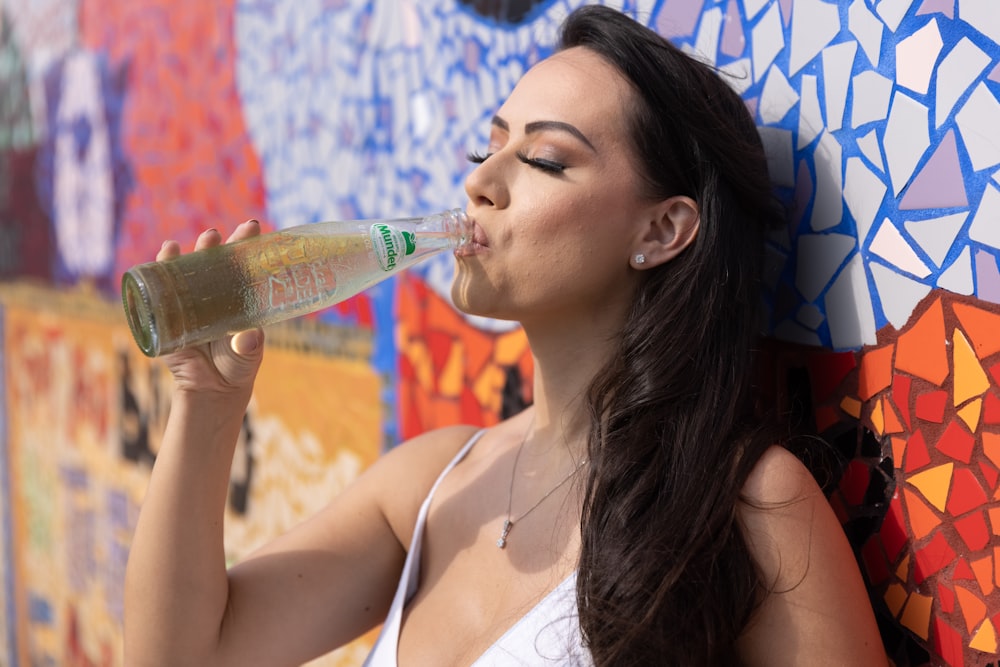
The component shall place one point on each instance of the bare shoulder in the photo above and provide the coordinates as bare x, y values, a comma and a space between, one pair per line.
403, 476
779, 477
817, 607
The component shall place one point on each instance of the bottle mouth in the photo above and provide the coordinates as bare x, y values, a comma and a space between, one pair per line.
139, 315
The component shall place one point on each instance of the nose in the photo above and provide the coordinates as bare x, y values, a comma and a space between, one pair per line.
486, 185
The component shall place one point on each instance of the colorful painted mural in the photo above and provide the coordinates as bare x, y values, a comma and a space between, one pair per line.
123, 123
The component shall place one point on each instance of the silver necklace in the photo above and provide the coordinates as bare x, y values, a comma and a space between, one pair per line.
509, 522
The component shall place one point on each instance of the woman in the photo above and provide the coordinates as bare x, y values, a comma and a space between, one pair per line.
633, 515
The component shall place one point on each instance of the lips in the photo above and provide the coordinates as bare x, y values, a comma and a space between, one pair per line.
477, 242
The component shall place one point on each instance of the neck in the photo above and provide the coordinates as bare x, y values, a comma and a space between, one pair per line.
562, 376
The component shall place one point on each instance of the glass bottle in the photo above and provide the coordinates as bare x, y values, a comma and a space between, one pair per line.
209, 294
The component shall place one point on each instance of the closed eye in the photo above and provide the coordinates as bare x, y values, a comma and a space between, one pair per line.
541, 163
477, 158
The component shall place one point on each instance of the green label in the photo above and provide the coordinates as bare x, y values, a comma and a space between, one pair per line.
391, 244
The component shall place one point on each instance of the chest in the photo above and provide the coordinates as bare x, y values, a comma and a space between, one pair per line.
472, 593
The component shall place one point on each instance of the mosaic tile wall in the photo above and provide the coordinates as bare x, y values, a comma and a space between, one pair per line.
123, 122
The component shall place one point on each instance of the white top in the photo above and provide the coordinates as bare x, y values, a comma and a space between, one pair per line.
548, 635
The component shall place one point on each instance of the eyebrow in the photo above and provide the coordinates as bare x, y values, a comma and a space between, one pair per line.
542, 125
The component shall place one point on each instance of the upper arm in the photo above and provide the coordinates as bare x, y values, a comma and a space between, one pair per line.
817, 609
333, 577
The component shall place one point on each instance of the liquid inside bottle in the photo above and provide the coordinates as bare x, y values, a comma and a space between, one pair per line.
215, 292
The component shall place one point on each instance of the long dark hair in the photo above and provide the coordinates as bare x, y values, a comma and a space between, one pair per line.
665, 577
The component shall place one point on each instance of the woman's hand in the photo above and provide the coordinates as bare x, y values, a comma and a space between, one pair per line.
226, 366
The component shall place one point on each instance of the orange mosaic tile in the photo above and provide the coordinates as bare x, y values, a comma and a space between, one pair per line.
981, 326
983, 569
891, 420
917, 614
934, 484
968, 375
991, 446
970, 413
920, 350
875, 371
972, 607
985, 639
922, 519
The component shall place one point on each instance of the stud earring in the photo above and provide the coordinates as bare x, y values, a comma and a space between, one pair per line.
640, 258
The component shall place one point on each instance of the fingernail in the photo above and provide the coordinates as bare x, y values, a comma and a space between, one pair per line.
246, 342
254, 221
211, 229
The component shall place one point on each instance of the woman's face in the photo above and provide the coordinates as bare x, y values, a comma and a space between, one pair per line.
556, 200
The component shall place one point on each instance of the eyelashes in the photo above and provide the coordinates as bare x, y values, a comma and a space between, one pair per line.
548, 166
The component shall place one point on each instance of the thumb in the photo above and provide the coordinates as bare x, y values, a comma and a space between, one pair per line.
246, 343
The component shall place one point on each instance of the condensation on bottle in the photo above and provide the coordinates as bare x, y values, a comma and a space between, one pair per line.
215, 292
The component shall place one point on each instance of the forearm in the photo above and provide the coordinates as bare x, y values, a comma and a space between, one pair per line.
176, 586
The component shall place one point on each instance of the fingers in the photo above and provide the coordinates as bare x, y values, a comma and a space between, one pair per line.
210, 238
168, 250
246, 230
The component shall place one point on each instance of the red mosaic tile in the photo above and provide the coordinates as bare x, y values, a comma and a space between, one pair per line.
917, 455
957, 443
439, 344
901, 396
946, 597
962, 571
930, 406
932, 558
893, 532
966, 492
990, 474
973, 531
991, 408
948, 643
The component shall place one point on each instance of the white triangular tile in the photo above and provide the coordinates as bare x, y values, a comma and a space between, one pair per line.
906, 139
871, 149
889, 244
935, 236
985, 227
957, 278
898, 294
957, 71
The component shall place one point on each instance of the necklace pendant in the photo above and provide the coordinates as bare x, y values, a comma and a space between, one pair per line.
502, 542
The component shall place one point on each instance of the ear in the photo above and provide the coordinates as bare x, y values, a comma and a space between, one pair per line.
670, 227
